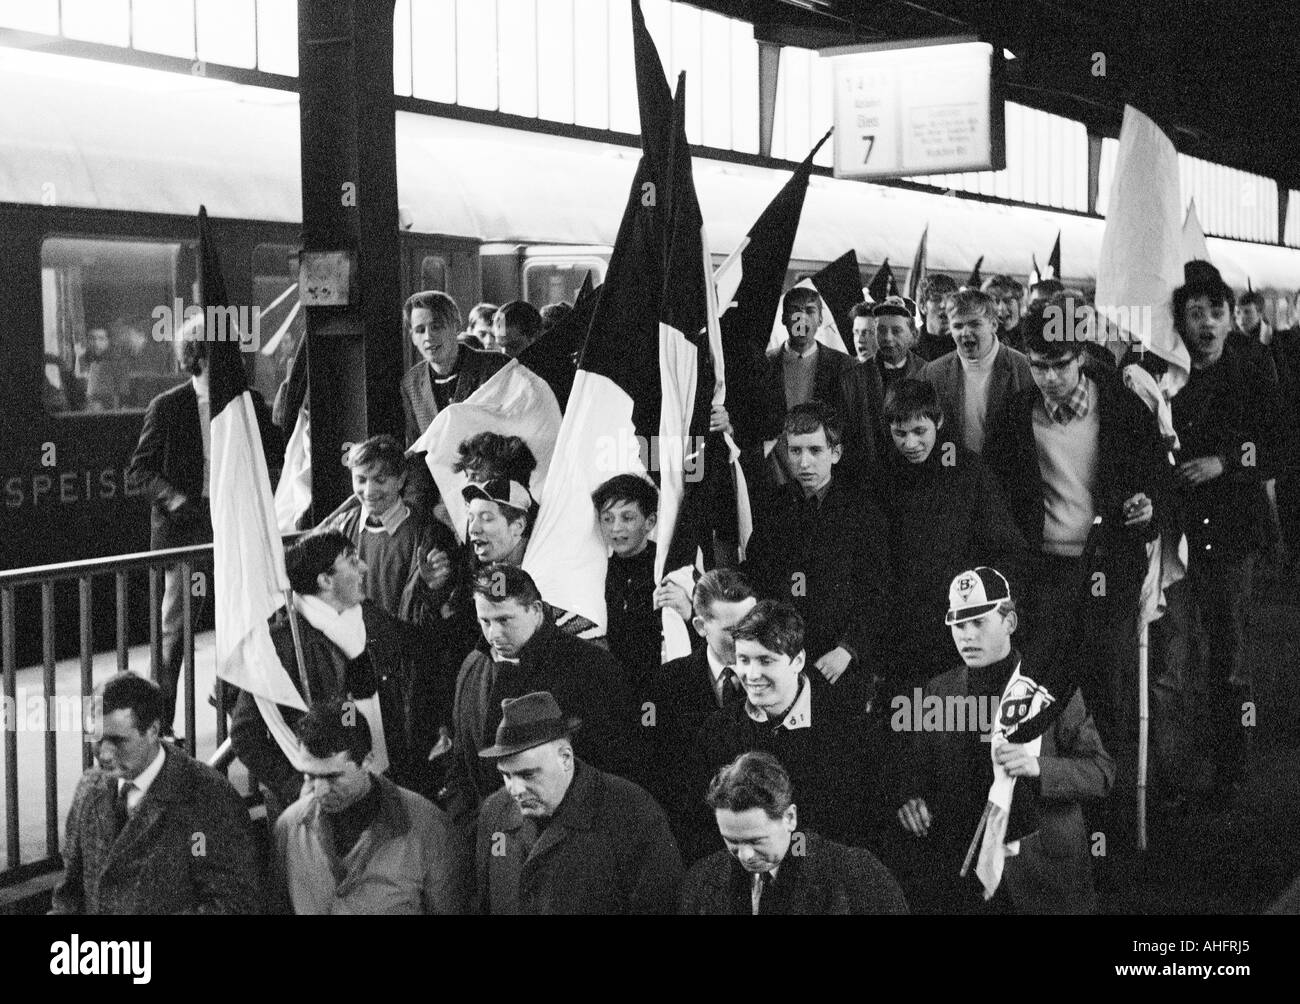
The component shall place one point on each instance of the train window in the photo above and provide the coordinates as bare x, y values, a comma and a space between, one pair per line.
281, 323
105, 303
552, 280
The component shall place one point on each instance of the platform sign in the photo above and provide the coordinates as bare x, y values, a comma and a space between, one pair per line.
931, 106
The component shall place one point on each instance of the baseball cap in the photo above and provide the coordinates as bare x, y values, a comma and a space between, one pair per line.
500, 490
974, 593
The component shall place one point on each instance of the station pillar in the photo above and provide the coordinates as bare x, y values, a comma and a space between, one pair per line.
350, 281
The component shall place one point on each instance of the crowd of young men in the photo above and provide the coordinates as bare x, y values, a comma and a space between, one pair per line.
929, 520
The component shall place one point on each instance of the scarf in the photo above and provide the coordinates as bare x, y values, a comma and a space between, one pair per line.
347, 631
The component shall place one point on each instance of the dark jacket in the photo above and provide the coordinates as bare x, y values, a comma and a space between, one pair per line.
952, 771
1229, 410
168, 461
675, 702
154, 866
1131, 458
826, 878
606, 851
1010, 375
587, 684
831, 365
832, 765
943, 517
635, 629
475, 368
931, 347
387, 663
830, 560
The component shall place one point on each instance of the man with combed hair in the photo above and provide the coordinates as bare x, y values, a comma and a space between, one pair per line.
770, 866
354, 842
447, 372
1048, 868
151, 830
975, 380
826, 749
560, 836
521, 651
478, 332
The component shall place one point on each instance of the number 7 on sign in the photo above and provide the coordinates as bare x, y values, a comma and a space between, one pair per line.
870, 140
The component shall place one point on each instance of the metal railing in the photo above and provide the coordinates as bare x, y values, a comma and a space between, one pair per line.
44, 578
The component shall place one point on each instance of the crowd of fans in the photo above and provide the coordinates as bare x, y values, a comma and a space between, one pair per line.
973, 496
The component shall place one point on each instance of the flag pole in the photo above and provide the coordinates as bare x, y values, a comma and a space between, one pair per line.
1143, 733
265, 522
975, 840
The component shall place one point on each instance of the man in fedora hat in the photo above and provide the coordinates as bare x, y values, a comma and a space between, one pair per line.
561, 837
1048, 868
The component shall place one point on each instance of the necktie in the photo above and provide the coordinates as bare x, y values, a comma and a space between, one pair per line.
728, 687
761, 882
120, 811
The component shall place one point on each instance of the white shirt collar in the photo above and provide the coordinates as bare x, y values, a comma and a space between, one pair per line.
391, 520
146, 776
792, 354
799, 715
200, 388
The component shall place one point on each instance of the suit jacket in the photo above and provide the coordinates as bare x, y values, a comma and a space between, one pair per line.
830, 369
475, 368
1053, 871
1010, 375
168, 461
862, 393
607, 851
187, 849
827, 878
682, 697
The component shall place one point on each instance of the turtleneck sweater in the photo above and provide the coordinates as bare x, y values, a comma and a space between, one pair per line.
975, 396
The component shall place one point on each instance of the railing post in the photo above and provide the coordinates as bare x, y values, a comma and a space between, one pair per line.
87, 664
123, 658
51, 722
187, 629
155, 621
7, 631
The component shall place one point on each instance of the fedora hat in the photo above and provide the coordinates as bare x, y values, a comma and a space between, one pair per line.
529, 721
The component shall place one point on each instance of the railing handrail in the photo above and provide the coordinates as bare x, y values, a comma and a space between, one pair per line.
37, 574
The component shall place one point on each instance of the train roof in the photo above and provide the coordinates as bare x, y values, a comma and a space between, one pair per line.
89, 134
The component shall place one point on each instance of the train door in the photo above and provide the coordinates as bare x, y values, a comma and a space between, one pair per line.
446, 264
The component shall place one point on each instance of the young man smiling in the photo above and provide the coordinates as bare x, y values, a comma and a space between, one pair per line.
627, 507
824, 748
